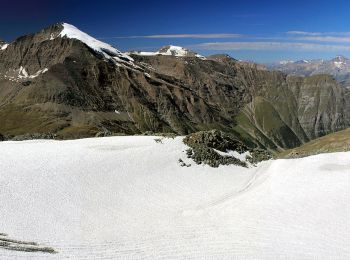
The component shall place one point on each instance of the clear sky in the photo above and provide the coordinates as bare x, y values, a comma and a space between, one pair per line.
256, 30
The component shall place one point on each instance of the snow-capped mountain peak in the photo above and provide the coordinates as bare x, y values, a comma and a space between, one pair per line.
339, 61
340, 58
171, 50
174, 51
105, 49
177, 51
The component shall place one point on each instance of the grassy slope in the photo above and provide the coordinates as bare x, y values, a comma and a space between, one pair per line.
261, 122
335, 142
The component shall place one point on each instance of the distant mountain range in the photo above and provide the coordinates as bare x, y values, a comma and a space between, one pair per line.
61, 81
339, 68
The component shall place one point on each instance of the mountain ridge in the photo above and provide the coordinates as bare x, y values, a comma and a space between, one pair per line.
63, 86
338, 67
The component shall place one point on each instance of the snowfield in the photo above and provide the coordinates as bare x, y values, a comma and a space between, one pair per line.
129, 198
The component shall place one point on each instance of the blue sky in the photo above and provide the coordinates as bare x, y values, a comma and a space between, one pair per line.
261, 31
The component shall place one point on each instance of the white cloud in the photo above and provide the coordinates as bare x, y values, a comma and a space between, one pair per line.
339, 37
325, 39
299, 33
296, 46
304, 33
174, 36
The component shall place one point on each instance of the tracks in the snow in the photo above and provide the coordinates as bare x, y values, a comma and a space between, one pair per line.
258, 177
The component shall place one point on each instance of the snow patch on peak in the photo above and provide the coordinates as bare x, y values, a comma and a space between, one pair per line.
338, 64
3, 47
178, 51
107, 50
174, 50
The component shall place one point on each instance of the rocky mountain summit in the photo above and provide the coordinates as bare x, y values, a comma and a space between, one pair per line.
63, 82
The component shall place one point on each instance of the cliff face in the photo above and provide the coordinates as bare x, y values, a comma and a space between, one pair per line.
295, 110
51, 83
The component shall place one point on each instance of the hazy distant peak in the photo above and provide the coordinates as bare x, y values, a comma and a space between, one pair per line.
220, 57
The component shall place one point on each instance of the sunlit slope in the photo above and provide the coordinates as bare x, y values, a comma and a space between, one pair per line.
335, 142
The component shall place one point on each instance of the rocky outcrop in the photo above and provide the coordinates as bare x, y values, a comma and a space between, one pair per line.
213, 148
23, 246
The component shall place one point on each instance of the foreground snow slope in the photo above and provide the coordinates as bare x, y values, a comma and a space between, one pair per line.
128, 198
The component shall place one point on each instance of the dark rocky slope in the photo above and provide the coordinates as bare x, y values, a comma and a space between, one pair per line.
270, 108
